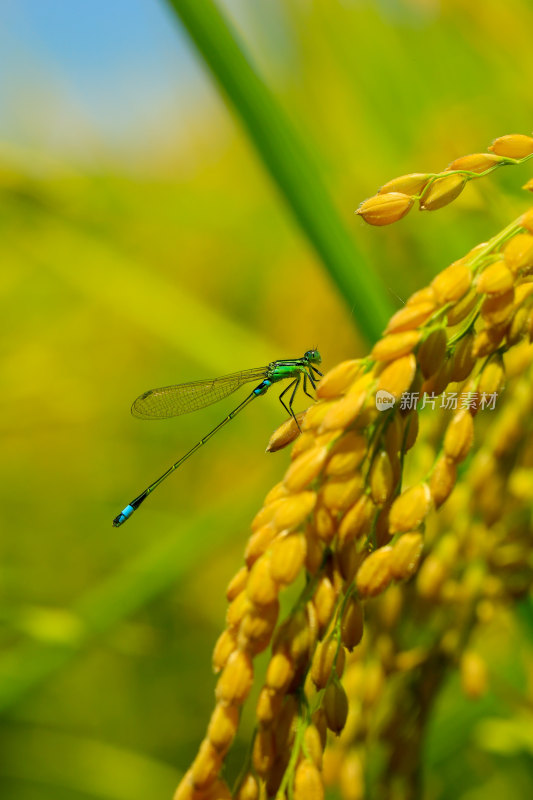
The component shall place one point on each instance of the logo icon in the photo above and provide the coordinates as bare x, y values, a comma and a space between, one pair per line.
384, 400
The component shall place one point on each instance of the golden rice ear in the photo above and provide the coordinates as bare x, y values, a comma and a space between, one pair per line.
394, 515
437, 190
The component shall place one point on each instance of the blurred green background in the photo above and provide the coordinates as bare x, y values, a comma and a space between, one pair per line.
145, 241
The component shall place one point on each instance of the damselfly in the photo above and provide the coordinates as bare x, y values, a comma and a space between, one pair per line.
171, 401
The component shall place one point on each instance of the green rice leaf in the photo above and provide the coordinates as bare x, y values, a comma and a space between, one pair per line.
288, 160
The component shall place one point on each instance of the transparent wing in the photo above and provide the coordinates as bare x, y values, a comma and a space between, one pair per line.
171, 401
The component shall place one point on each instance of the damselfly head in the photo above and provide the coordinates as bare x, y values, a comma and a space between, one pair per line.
313, 356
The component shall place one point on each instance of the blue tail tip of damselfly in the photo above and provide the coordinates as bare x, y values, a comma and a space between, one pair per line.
123, 516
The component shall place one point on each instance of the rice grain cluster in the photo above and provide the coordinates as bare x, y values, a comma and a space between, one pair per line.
407, 501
